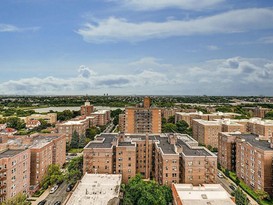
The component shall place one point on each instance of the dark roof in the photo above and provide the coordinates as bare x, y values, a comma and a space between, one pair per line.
10, 153
192, 151
166, 147
106, 141
254, 141
126, 144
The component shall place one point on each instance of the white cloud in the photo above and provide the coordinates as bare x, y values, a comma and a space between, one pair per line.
117, 29
212, 48
161, 4
86, 72
267, 40
12, 28
232, 76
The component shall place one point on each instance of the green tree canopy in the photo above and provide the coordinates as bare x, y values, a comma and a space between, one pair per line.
140, 192
53, 175
75, 140
75, 169
19, 199
16, 123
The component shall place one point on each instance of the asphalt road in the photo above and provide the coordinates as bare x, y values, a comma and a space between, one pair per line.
59, 195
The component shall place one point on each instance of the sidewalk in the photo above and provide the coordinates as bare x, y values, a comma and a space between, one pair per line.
40, 198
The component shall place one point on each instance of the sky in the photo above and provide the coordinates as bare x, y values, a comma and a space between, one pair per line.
136, 47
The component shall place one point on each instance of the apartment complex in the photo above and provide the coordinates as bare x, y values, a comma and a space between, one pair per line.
82, 123
257, 111
205, 194
49, 118
189, 117
102, 117
87, 109
251, 156
260, 127
41, 151
206, 132
14, 172
168, 158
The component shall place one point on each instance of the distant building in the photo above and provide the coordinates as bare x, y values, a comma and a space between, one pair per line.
96, 189
50, 118
32, 124
141, 119
189, 117
87, 109
257, 111
14, 172
250, 156
103, 117
205, 194
168, 158
147, 102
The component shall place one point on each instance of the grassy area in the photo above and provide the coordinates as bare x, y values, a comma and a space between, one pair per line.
75, 150
38, 193
247, 189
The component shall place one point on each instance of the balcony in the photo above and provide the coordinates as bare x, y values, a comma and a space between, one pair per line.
2, 186
3, 170
2, 178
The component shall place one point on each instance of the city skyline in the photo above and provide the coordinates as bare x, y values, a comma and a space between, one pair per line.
163, 47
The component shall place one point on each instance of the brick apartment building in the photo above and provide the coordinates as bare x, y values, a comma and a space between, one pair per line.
168, 158
251, 156
189, 117
80, 124
40, 150
14, 172
206, 132
49, 118
87, 109
257, 111
102, 117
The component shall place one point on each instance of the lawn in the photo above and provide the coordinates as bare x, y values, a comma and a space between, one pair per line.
75, 150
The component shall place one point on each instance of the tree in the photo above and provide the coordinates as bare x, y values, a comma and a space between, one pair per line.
81, 141
20, 199
182, 126
140, 192
53, 175
269, 115
171, 119
16, 123
262, 195
169, 128
92, 132
75, 170
75, 140
115, 113
240, 197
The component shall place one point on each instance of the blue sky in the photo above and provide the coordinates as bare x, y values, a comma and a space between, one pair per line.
155, 47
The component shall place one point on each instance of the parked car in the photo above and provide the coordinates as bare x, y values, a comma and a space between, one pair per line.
43, 202
57, 203
220, 175
53, 189
69, 187
73, 154
232, 187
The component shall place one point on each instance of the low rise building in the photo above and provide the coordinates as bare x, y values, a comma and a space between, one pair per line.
205, 194
50, 118
96, 189
32, 124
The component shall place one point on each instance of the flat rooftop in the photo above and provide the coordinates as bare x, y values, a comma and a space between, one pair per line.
96, 189
255, 141
102, 141
193, 151
10, 153
207, 194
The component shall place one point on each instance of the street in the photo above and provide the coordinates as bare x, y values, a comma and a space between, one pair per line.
59, 195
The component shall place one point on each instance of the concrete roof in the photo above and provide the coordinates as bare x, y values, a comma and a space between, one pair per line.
207, 194
10, 153
96, 189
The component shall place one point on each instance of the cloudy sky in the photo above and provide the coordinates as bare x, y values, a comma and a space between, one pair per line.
148, 47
